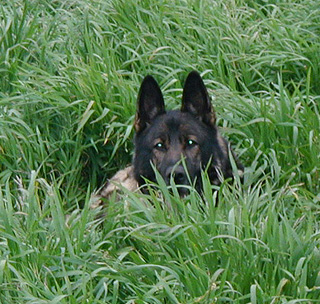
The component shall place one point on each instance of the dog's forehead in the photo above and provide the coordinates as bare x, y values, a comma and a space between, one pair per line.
177, 123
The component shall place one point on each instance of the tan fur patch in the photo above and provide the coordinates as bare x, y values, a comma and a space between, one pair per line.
123, 178
222, 143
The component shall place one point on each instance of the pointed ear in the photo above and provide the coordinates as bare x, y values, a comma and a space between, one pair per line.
195, 99
150, 103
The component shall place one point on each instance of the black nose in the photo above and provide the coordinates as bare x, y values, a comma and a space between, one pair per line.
179, 177
178, 173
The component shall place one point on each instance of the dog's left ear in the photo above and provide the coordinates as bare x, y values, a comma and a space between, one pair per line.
195, 99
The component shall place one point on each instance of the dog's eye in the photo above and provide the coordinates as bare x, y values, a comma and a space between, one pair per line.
159, 145
191, 143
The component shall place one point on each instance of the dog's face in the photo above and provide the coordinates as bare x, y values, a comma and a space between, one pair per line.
169, 139
190, 134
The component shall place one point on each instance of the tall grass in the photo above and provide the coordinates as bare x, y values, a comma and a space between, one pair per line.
70, 72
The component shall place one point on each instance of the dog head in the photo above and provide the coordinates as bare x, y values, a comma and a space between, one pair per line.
165, 138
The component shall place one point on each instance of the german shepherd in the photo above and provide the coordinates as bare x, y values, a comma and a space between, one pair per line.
179, 144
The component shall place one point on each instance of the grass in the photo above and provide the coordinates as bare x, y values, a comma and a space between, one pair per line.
70, 72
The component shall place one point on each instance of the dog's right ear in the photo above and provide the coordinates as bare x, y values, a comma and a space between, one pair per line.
150, 103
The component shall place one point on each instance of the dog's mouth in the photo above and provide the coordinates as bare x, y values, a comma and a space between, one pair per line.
183, 191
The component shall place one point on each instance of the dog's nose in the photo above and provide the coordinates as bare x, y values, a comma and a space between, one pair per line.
179, 178
179, 175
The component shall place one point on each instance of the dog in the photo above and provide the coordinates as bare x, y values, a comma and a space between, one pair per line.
179, 144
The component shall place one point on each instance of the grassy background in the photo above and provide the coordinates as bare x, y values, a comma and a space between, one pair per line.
69, 76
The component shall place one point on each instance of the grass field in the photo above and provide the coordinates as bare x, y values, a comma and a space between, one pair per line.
69, 76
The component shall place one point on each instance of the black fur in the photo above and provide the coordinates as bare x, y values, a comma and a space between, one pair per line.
163, 138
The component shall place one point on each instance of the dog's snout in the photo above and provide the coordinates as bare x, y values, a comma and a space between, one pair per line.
179, 177
178, 174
